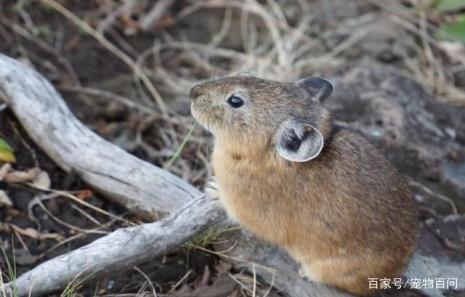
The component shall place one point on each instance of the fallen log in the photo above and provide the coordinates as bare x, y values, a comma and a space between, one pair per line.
142, 188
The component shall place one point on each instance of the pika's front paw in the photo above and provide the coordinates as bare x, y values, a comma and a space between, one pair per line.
212, 190
302, 273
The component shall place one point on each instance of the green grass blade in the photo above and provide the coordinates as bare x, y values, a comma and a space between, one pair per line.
180, 148
455, 30
449, 5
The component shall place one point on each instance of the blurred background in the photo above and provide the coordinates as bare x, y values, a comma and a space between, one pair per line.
125, 68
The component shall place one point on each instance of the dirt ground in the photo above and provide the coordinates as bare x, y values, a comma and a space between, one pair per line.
396, 83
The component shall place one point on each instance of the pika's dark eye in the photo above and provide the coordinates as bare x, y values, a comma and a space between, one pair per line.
235, 101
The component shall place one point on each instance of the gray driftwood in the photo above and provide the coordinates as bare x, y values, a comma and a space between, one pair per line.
143, 188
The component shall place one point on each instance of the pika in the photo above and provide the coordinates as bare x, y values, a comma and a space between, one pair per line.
286, 173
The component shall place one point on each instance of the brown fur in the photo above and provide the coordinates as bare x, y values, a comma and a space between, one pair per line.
346, 216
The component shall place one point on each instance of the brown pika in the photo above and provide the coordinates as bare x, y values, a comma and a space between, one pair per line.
287, 174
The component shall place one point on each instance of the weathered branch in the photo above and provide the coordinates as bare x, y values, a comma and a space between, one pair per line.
121, 249
136, 184
143, 188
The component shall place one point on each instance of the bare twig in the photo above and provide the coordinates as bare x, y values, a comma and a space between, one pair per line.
108, 95
434, 195
157, 11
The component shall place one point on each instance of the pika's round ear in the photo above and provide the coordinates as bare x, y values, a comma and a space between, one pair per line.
318, 87
297, 140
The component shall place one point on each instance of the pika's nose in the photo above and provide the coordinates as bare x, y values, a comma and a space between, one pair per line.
196, 92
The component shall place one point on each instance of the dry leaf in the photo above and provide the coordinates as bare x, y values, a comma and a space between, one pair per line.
33, 233
4, 170
130, 26
165, 22
85, 194
21, 176
42, 181
6, 152
38, 177
5, 200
